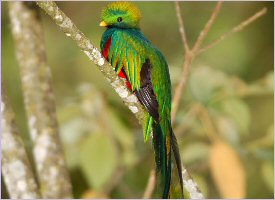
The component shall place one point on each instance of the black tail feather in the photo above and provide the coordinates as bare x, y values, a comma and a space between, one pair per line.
176, 154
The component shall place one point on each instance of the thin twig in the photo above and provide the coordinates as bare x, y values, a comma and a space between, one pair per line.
150, 185
190, 115
189, 56
236, 29
181, 86
16, 167
39, 100
181, 27
207, 27
208, 124
116, 179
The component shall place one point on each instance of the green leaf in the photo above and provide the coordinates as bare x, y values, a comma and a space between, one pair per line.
125, 137
73, 130
205, 82
267, 171
263, 86
227, 129
98, 159
71, 155
68, 112
263, 153
194, 152
239, 112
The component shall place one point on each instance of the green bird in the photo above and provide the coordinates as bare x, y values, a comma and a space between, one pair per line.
146, 73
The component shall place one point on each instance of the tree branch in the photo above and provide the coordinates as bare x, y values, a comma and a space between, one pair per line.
151, 184
191, 186
130, 100
208, 124
181, 27
207, 27
189, 55
188, 58
236, 29
39, 100
16, 166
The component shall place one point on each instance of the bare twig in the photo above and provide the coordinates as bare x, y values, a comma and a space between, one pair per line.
190, 115
16, 167
116, 178
150, 185
236, 29
181, 27
207, 123
196, 49
181, 86
189, 55
207, 27
39, 100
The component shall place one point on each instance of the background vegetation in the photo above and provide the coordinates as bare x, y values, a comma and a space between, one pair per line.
229, 95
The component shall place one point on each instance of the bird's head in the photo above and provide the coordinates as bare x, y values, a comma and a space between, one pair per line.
121, 15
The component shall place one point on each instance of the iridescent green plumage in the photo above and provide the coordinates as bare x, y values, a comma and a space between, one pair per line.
146, 71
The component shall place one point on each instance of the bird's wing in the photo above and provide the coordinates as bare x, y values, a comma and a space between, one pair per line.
129, 55
146, 94
126, 56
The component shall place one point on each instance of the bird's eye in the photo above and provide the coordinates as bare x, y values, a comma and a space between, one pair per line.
119, 19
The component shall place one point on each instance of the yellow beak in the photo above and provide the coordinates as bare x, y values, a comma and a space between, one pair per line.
103, 24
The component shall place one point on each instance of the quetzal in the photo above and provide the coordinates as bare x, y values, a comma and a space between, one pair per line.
146, 74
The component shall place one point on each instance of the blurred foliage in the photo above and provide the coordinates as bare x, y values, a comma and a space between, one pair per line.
230, 183
229, 99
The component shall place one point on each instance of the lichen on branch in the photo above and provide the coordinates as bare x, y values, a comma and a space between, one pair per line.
39, 100
16, 168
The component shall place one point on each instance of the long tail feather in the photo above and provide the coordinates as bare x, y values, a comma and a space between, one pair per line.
166, 147
176, 155
163, 181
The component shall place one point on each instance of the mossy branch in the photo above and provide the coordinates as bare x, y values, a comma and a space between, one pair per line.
16, 167
39, 100
130, 100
